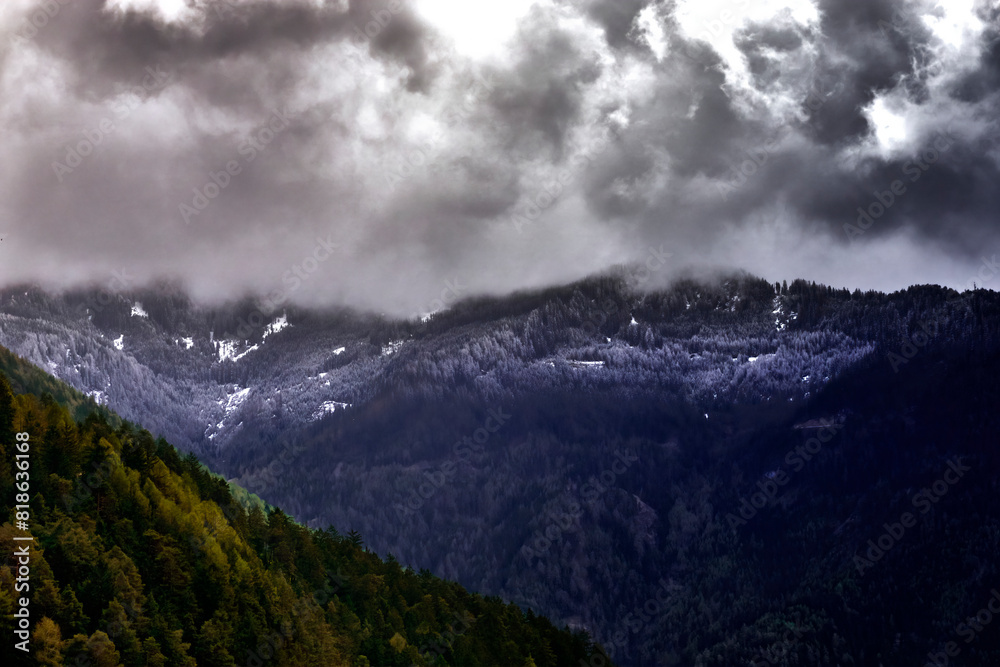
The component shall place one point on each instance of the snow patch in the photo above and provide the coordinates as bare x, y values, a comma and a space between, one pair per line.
119, 342
235, 401
188, 343
226, 348
339, 351
328, 408
232, 403
248, 351
137, 310
279, 324
392, 347
778, 324
762, 357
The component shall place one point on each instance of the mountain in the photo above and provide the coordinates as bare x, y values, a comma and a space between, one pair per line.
685, 473
142, 557
202, 376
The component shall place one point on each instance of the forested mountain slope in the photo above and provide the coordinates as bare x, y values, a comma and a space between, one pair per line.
204, 377
584, 450
142, 557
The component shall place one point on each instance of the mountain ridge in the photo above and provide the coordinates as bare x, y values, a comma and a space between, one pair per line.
700, 381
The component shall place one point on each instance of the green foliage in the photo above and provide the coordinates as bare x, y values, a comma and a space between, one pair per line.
24, 377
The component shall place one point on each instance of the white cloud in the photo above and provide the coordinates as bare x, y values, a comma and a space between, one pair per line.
650, 28
477, 29
172, 11
717, 22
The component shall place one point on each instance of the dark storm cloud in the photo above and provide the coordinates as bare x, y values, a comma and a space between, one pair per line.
616, 19
878, 47
543, 103
109, 48
245, 134
869, 47
864, 50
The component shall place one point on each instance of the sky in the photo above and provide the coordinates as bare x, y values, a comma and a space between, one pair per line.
397, 155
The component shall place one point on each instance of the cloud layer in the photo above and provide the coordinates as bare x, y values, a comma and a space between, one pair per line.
371, 153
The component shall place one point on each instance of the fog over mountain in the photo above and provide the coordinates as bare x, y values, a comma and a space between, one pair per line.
379, 154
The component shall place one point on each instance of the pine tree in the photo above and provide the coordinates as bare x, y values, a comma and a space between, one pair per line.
354, 537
